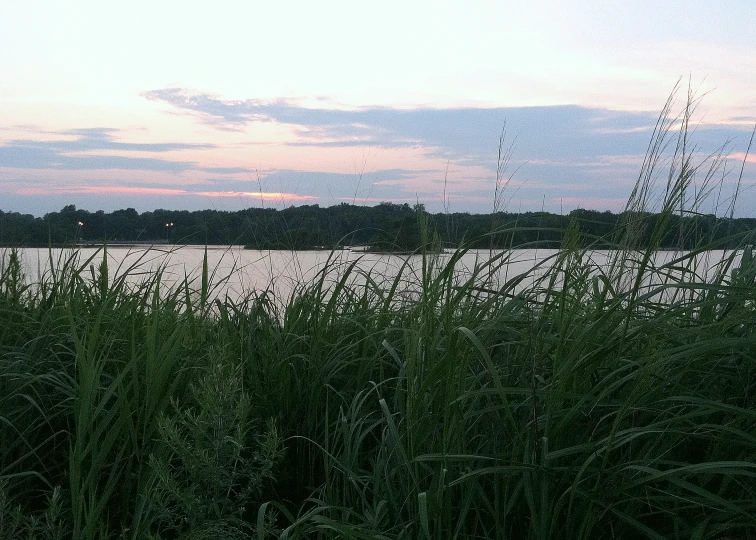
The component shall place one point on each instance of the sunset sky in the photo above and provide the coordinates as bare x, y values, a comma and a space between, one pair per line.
229, 105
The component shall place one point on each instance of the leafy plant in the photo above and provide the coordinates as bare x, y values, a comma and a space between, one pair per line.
210, 466
48, 524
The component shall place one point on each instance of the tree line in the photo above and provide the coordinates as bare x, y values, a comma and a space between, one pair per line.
386, 226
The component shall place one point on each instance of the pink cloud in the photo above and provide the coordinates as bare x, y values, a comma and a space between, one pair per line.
99, 190
125, 190
739, 156
263, 195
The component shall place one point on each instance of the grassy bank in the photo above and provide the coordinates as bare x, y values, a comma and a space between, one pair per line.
578, 407
595, 402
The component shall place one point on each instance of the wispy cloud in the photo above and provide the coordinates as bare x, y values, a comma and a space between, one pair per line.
225, 170
548, 132
102, 138
147, 191
78, 153
740, 156
749, 119
466, 135
260, 195
99, 190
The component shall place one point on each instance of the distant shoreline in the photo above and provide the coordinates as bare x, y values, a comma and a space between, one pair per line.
387, 227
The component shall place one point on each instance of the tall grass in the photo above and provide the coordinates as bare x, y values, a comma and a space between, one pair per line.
575, 400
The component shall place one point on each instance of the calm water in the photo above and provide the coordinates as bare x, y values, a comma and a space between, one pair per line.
239, 271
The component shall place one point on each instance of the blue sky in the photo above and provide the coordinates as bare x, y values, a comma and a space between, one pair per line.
187, 105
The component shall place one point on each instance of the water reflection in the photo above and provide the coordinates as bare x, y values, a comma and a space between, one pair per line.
237, 272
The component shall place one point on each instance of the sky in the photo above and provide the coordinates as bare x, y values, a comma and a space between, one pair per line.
237, 104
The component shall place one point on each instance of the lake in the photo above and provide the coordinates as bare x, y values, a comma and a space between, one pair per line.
239, 271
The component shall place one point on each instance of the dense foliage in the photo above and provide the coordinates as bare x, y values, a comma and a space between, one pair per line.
387, 226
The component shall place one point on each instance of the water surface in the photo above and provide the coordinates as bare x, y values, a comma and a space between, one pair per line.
237, 271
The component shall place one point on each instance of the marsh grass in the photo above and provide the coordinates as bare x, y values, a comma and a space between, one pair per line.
583, 398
